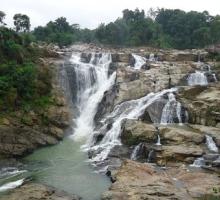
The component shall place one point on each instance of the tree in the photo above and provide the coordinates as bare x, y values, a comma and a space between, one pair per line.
22, 23
215, 30
2, 16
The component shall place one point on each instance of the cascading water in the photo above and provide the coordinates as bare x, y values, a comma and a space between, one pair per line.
139, 61
171, 110
134, 154
158, 140
127, 110
197, 78
150, 155
211, 144
11, 185
199, 162
151, 57
92, 81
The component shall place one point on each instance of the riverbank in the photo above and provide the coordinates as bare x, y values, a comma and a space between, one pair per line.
24, 130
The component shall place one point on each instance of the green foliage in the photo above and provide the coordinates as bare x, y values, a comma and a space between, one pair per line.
22, 83
165, 28
16, 82
59, 31
21, 22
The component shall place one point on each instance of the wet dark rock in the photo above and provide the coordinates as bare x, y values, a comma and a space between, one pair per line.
71, 76
86, 57
112, 68
107, 103
146, 66
120, 151
131, 61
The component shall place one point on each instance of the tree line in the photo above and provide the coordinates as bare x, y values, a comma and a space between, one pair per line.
163, 28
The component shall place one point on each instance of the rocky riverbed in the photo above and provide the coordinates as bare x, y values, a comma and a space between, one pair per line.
178, 132
153, 120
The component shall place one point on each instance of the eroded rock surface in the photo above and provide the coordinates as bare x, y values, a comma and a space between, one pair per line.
143, 181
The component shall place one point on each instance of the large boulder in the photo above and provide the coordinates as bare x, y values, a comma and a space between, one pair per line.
202, 103
178, 153
208, 130
179, 135
135, 132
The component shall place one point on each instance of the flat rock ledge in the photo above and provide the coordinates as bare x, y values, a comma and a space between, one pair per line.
34, 191
136, 181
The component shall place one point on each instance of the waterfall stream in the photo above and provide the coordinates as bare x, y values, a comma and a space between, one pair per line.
197, 78
211, 144
135, 152
92, 81
139, 61
127, 110
171, 110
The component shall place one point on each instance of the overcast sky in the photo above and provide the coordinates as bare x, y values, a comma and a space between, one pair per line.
90, 13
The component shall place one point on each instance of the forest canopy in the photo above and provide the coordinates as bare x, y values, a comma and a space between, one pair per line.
162, 28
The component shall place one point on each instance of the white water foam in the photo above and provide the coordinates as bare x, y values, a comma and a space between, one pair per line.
92, 81
170, 110
197, 78
11, 185
211, 144
127, 110
139, 61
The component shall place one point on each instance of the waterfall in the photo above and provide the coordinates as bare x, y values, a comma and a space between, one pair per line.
197, 78
171, 110
132, 109
211, 144
92, 81
150, 156
151, 57
158, 140
139, 61
214, 77
135, 152
199, 162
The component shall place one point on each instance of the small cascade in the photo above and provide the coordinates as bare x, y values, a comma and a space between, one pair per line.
199, 162
132, 109
152, 57
139, 61
150, 155
171, 110
158, 140
135, 152
92, 81
10, 171
197, 78
211, 144
214, 77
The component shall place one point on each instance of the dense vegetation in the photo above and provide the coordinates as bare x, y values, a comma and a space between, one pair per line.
22, 82
164, 28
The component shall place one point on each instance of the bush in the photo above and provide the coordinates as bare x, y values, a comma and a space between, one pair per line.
17, 83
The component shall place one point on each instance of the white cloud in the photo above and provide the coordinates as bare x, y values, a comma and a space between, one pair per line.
90, 13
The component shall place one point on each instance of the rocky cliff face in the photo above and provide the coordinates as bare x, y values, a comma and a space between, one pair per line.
21, 132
